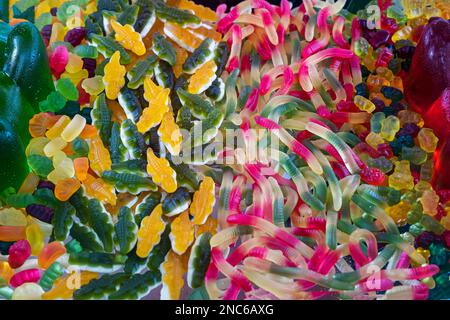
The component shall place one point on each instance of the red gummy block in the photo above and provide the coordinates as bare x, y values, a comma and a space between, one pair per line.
429, 74
59, 60
19, 253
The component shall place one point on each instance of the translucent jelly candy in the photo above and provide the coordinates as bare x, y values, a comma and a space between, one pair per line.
6, 272
8, 233
181, 233
150, 231
170, 133
54, 146
202, 78
99, 157
19, 253
81, 166
56, 130
12, 217
161, 172
364, 104
427, 140
65, 188
153, 114
28, 291
401, 178
93, 86
114, 76
73, 128
389, 127
50, 253
430, 202
75, 63
203, 201
40, 122
374, 140
35, 237
129, 38
59, 59
399, 212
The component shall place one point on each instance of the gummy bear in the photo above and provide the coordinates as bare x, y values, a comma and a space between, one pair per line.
427, 140
430, 202
401, 178
389, 127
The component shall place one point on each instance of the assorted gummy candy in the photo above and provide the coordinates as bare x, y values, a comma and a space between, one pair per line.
353, 190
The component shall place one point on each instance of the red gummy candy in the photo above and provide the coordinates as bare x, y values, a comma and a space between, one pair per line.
59, 60
429, 74
372, 176
25, 276
19, 253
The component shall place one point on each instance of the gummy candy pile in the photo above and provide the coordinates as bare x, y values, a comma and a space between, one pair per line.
327, 189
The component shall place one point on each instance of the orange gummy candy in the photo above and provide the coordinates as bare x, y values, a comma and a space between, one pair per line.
65, 188
99, 156
50, 253
40, 122
81, 166
98, 188
12, 233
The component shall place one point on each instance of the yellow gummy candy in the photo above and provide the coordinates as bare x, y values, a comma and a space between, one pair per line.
12, 217
114, 78
173, 268
65, 286
75, 63
129, 38
76, 77
399, 212
427, 140
153, 114
151, 89
401, 178
99, 157
170, 133
181, 233
149, 233
161, 172
203, 201
209, 226
202, 78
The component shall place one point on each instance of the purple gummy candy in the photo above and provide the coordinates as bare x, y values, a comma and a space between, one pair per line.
46, 185
40, 212
90, 65
75, 36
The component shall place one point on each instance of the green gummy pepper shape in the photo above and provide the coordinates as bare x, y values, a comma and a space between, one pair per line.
27, 63
15, 112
